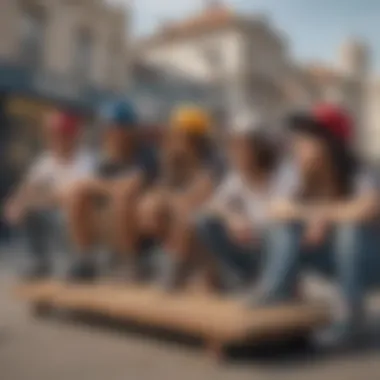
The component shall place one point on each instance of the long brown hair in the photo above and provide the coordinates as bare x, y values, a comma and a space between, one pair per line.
265, 154
344, 166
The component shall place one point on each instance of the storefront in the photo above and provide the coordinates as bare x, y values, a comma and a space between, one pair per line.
27, 96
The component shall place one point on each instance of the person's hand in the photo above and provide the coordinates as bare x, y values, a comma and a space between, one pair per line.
284, 211
14, 212
315, 233
240, 229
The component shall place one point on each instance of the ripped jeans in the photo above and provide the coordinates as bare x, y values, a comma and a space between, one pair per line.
44, 231
232, 260
349, 253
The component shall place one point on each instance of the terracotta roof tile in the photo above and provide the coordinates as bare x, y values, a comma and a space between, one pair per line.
214, 17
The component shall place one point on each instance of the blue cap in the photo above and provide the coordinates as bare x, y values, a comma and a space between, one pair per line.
120, 113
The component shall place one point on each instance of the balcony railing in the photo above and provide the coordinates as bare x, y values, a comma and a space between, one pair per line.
19, 79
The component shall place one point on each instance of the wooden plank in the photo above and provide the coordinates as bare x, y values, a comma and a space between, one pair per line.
38, 291
209, 317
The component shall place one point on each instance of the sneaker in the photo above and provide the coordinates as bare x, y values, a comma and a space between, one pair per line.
173, 274
38, 270
127, 269
82, 269
343, 335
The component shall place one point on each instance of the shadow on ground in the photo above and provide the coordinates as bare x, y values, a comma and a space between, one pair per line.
301, 351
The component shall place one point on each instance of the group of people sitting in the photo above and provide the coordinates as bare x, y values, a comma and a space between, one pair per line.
246, 210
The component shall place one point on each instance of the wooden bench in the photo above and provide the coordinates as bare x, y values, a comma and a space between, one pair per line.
219, 322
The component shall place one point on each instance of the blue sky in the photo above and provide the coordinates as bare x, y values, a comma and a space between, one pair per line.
315, 28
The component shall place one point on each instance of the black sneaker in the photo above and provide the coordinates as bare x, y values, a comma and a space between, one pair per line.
82, 270
36, 271
173, 274
127, 270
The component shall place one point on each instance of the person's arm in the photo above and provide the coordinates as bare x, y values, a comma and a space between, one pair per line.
19, 200
362, 206
356, 210
221, 202
32, 190
129, 186
199, 192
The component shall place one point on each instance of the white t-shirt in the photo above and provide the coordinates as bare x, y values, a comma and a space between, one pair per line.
50, 173
254, 203
285, 183
364, 182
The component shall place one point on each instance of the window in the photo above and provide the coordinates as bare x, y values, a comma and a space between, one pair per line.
83, 55
33, 31
113, 65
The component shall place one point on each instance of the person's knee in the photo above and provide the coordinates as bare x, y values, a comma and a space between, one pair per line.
354, 240
150, 213
77, 194
353, 234
207, 226
122, 191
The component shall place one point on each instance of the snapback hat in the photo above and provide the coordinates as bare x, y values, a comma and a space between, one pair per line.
64, 123
191, 119
119, 114
326, 121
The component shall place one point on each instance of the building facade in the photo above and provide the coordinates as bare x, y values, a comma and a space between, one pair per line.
55, 54
243, 57
156, 90
347, 82
73, 51
247, 61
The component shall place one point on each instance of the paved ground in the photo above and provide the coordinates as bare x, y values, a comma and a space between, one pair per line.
44, 350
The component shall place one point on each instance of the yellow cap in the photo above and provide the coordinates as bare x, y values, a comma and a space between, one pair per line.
191, 119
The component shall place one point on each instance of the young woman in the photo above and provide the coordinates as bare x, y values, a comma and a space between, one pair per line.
329, 217
186, 182
234, 226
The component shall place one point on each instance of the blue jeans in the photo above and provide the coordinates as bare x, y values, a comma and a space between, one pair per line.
349, 253
43, 230
230, 258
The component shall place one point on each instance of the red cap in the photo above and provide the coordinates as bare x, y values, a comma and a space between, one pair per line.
336, 120
65, 123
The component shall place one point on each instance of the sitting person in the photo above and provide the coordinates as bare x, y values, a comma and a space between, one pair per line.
329, 218
123, 173
187, 181
35, 204
233, 227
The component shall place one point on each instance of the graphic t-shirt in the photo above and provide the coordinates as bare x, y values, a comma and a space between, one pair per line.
49, 176
48, 171
144, 161
235, 194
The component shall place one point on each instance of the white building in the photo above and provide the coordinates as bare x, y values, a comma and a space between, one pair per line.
221, 48
247, 60
155, 90
64, 50
56, 54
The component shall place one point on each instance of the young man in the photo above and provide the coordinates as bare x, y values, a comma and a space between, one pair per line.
38, 203
327, 224
125, 170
